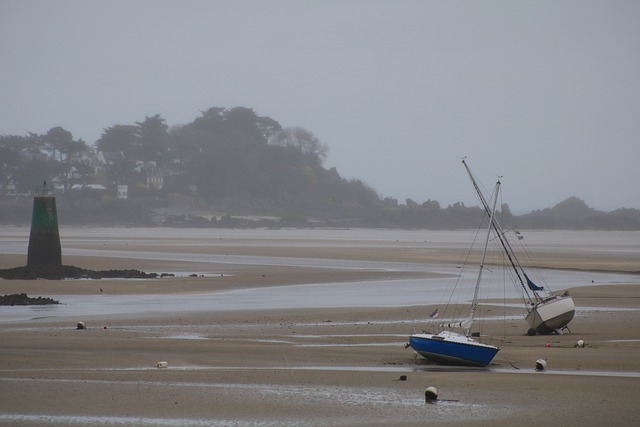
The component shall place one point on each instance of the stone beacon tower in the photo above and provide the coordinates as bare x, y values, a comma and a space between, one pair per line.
44, 239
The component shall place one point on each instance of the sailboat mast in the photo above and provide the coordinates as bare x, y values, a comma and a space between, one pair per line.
474, 303
499, 233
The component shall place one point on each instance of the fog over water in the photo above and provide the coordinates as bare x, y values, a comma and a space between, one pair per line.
545, 93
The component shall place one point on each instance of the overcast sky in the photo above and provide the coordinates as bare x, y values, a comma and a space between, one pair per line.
543, 93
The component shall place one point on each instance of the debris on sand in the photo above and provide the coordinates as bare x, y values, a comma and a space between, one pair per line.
431, 394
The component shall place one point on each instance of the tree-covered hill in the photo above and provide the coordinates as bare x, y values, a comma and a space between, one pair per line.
228, 167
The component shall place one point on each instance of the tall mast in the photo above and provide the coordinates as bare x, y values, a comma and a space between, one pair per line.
500, 234
474, 303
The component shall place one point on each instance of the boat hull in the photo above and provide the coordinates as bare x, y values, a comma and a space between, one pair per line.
551, 314
446, 351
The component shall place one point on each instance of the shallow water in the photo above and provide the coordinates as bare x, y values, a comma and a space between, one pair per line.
387, 293
371, 293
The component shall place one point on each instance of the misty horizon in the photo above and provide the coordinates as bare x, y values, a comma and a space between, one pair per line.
571, 199
544, 94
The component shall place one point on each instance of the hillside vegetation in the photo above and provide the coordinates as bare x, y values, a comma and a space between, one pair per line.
227, 168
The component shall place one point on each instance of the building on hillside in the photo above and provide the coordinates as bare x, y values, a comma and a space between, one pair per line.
123, 192
110, 157
153, 175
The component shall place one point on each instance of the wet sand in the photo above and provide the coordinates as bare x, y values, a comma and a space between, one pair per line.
308, 367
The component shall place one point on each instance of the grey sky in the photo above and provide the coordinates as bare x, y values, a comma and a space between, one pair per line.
544, 93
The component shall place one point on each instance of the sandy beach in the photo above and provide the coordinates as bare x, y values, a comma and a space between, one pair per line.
307, 366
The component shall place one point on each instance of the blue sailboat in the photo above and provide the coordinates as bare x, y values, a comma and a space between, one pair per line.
453, 348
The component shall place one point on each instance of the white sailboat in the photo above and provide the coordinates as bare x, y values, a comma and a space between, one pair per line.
547, 312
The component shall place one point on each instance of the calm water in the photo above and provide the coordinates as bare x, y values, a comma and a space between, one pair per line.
385, 292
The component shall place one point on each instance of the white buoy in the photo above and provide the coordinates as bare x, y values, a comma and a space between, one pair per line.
162, 365
81, 325
431, 394
580, 344
541, 364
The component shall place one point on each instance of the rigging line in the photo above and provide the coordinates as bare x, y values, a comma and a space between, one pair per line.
474, 305
457, 314
512, 365
498, 231
509, 272
504, 307
533, 265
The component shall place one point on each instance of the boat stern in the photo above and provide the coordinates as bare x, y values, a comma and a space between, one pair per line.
452, 350
551, 314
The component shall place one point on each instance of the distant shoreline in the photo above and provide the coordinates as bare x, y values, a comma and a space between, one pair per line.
571, 214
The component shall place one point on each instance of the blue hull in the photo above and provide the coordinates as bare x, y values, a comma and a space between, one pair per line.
453, 353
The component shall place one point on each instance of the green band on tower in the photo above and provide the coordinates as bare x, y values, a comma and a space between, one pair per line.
44, 240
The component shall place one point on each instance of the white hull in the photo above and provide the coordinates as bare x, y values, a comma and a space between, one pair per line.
551, 314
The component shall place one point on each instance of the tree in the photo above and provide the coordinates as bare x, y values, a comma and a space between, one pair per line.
52, 157
431, 206
315, 151
118, 138
34, 171
152, 139
10, 159
223, 151
77, 173
211, 120
120, 141
268, 127
68, 153
60, 143
249, 128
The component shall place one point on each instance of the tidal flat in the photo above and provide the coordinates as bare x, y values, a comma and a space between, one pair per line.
307, 327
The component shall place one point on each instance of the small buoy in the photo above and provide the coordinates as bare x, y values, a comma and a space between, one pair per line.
541, 364
580, 344
104, 327
431, 394
81, 325
548, 344
162, 365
